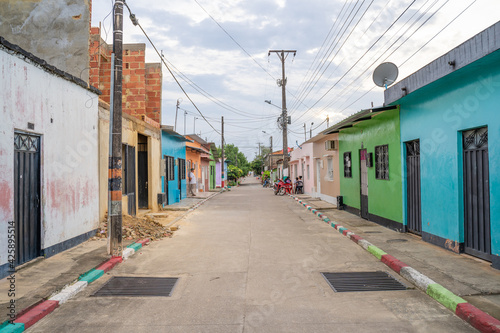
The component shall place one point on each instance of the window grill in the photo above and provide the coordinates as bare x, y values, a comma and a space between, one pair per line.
170, 168
347, 165
382, 162
182, 168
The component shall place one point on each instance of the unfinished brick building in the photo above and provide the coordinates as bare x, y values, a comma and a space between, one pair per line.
142, 82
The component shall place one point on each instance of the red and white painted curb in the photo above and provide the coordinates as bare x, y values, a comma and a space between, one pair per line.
474, 316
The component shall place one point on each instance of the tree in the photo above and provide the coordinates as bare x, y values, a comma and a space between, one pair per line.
234, 156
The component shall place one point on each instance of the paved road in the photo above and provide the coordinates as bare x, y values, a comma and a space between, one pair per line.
249, 261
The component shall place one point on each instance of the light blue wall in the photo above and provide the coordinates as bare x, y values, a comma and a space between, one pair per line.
437, 114
176, 147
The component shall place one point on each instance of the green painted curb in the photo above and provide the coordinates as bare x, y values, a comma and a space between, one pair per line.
376, 252
333, 224
341, 230
314, 211
92, 275
12, 328
135, 246
326, 219
444, 296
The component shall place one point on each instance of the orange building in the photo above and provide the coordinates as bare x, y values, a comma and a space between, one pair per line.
195, 153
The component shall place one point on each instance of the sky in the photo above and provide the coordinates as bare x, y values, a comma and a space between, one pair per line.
218, 51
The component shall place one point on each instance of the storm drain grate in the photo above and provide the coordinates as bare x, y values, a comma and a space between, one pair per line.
137, 286
362, 281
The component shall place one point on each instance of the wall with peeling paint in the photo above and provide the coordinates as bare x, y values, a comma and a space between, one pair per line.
56, 31
64, 114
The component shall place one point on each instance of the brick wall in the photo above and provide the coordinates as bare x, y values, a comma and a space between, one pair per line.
142, 82
153, 91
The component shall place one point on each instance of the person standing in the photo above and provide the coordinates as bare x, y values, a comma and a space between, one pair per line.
192, 183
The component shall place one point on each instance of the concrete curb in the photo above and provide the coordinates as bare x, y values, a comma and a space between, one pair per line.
464, 310
33, 314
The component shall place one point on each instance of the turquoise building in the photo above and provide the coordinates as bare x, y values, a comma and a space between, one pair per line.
450, 144
173, 178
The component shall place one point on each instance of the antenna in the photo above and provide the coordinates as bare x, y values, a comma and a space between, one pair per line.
385, 74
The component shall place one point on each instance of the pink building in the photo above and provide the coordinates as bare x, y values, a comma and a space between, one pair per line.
301, 164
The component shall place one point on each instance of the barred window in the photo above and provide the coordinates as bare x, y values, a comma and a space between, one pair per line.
182, 168
347, 165
382, 162
170, 168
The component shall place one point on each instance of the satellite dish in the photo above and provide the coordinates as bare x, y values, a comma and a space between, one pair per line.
385, 74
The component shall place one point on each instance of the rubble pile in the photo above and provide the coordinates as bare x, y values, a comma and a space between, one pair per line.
137, 228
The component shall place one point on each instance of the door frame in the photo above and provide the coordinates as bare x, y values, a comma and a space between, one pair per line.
363, 199
35, 236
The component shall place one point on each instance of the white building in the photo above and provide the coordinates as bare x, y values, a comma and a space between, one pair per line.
48, 157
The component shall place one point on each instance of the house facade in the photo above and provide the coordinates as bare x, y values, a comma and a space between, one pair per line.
212, 166
451, 156
326, 167
48, 157
370, 165
173, 148
301, 165
195, 151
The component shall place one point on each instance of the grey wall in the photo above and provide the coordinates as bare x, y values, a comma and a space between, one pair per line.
54, 30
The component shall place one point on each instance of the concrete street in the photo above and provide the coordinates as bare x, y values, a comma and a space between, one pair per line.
250, 261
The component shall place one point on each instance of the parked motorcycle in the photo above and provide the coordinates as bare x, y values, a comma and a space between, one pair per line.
280, 187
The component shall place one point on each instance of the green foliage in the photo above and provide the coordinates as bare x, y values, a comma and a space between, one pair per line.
233, 173
234, 156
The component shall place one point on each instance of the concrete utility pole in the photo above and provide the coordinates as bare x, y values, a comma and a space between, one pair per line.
185, 113
115, 161
305, 135
222, 161
311, 131
327, 121
284, 117
271, 155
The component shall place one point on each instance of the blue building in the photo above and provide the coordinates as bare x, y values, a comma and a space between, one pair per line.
173, 179
450, 143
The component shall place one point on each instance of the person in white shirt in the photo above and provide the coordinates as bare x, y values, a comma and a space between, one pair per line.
192, 183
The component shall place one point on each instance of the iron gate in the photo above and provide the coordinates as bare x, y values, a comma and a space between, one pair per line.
363, 174
128, 183
476, 193
27, 196
413, 199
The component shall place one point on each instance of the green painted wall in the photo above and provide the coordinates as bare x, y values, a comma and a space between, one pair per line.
384, 196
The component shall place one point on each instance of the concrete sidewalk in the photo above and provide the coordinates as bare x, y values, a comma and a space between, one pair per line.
189, 202
471, 278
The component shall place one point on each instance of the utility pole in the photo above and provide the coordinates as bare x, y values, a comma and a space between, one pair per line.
115, 161
311, 131
305, 135
271, 155
222, 162
176, 110
284, 117
327, 121
194, 125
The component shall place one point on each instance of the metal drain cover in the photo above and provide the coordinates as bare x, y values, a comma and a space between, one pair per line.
137, 286
362, 281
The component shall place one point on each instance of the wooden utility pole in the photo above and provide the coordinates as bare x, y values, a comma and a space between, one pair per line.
115, 161
222, 161
284, 117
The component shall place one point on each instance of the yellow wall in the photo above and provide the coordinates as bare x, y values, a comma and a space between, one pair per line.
131, 127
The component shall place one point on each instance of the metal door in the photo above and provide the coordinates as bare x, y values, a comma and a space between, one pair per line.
363, 172
142, 175
181, 170
476, 193
413, 199
167, 176
27, 197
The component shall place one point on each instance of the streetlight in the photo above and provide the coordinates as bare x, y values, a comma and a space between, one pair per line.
194, 125
179, 100
269, 102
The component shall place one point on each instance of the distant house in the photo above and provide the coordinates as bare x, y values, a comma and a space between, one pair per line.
173, 147
370, 165
196, 151
450, 134
301, 165
326, 182
212, 166
48, 157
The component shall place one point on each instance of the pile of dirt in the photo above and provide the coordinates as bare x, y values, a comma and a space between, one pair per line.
137, 228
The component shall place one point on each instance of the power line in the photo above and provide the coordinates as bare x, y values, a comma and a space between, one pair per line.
136, 22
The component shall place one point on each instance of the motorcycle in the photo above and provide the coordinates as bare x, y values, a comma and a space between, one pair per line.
280, 187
